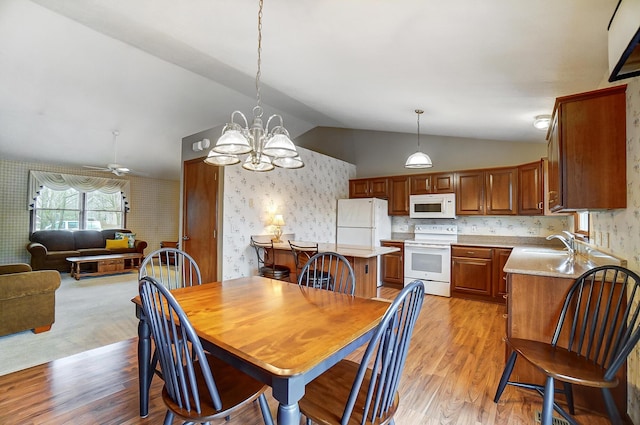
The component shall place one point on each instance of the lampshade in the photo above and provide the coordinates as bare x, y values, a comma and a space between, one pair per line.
278, 220
295, 162
232, 142
255, 163
418, 160
216, 158
280, 146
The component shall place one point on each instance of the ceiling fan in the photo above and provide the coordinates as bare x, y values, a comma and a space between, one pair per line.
113, 167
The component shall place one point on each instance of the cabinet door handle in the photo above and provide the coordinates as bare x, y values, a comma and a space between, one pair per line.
471, 252
540, 205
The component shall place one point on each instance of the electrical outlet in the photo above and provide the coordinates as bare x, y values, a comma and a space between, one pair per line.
474, 229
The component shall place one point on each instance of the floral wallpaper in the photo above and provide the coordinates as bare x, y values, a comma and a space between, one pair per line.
305, 197
622, 229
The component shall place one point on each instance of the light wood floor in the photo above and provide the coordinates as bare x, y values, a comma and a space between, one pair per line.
455, 361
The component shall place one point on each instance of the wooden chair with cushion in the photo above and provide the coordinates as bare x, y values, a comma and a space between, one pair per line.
599, 325
328, 270
266, 261
198, 387
367, 393
173, 267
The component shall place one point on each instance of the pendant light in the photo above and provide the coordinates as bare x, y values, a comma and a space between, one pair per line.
418, 159
267, 146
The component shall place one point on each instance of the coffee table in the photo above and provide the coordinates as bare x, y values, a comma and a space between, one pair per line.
105, 264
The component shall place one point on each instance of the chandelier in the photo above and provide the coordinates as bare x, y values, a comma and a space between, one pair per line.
268, 146
418, 159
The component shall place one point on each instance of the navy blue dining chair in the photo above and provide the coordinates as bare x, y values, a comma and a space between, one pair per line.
328, 270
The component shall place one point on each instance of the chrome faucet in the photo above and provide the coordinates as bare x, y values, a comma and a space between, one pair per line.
568, 241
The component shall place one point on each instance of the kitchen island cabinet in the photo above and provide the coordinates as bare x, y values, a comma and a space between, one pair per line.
537, 283
364, 261
393, 265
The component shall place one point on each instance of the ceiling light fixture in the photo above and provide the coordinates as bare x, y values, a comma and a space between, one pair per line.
541, 122
418, 159
267, 146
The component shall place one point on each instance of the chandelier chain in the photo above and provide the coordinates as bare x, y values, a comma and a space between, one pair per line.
259, 99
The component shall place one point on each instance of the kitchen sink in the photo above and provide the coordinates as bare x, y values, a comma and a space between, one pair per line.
545, 251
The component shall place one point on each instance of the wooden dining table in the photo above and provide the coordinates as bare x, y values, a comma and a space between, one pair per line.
280, 333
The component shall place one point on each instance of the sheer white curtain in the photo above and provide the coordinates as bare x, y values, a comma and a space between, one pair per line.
59, 181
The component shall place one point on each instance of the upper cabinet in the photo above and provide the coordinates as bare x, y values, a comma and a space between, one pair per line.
432, 183
399, 195
376, 187
531, 188
487, 192
587, 151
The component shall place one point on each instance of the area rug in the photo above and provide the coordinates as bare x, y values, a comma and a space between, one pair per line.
90, 313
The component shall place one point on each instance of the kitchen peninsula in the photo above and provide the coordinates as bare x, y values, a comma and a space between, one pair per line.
363, 259
538, 279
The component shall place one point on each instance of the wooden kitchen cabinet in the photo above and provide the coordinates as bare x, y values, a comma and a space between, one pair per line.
393, 265
471, 269
531, 189
499, 277
587, 151
432, 183
477, 272
470, 193
398, 195
376, 187
501, 191
487, 192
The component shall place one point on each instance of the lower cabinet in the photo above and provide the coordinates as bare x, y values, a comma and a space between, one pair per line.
393, 266
476, 272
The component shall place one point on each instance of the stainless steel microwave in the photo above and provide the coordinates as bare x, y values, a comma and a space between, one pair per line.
442, 205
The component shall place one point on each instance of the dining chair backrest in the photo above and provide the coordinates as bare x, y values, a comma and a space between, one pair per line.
328, 270
385, 355
600, 317
178, 348
172, 267
302, 253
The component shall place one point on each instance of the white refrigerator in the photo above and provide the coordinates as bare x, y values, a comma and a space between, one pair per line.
364, 222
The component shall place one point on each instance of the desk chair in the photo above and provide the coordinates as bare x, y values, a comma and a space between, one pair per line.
599, 325
328, 270
367, 393
190, 391
266, 261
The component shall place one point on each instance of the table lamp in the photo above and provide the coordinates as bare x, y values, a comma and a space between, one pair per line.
277, 222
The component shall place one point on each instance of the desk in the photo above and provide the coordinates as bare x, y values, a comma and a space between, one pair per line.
280, 333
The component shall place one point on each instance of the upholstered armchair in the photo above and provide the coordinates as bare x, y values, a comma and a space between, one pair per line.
27, 298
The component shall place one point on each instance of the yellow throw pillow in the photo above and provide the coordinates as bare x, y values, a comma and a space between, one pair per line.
117, 243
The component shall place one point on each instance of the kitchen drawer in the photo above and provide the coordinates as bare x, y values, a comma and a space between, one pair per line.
471, 251
110, 265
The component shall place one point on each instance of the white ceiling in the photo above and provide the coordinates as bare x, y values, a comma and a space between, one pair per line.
72, 71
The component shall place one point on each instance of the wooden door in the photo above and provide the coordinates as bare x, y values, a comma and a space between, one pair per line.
420, 184
393, 266
200, 216
443, 183
359, 188
379, 187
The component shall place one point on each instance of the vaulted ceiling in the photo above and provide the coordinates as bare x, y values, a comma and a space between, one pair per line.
72, 72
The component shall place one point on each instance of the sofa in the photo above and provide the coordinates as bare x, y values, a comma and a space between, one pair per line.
49, 249
27, 298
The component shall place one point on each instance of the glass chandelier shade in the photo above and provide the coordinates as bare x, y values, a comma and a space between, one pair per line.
418, 159
268, 146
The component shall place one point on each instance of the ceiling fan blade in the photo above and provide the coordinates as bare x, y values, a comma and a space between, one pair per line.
91, 167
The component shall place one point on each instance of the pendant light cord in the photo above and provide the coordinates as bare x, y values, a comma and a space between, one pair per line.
418, 112
258, 108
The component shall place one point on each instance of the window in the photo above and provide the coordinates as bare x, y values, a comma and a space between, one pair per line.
71, 202
581, 220
71, 209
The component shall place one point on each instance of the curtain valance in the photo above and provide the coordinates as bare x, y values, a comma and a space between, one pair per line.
59, 181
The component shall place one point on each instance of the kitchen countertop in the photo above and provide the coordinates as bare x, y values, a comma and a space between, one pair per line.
359, 251
554, 262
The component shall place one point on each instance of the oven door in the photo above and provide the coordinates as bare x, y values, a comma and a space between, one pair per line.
427, 261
